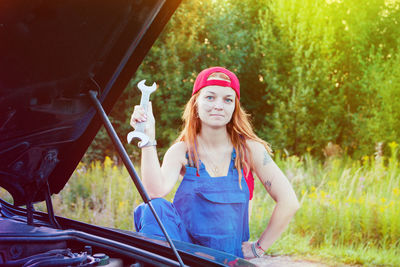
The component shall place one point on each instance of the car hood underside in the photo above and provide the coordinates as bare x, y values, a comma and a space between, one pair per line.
52, 54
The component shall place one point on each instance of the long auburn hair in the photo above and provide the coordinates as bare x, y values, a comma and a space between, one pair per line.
239, 129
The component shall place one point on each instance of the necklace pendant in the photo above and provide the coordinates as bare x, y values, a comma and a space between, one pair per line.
215, 170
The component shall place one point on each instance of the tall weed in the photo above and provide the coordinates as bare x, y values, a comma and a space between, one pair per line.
346, 205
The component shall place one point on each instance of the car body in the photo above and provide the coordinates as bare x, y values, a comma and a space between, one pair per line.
53, 54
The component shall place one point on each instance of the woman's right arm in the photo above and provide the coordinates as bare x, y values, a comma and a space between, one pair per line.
158, 180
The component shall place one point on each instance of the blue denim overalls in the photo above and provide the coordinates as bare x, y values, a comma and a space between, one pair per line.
209, 211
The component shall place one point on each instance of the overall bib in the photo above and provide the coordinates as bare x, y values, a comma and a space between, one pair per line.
208, 211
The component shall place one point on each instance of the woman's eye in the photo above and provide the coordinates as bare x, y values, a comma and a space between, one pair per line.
228, 100
209, 97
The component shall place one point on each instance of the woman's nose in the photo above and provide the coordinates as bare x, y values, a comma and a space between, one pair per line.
218, 104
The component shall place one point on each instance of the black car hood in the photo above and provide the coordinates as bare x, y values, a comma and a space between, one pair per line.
52, 54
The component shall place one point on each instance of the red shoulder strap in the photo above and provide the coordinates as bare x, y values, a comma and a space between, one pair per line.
250, 182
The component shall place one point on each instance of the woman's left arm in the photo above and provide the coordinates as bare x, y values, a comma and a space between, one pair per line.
279, 188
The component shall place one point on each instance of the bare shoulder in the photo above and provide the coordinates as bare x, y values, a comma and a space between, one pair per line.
259, 152
255, 147
177, 151
179, 147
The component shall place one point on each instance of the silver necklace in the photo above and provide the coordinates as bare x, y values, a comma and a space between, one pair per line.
214, 167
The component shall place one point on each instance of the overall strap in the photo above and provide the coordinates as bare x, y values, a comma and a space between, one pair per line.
248, 176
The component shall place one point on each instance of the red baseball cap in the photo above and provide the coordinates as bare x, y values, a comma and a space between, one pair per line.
201, 80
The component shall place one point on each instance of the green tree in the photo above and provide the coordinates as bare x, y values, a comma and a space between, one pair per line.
199, 35
301, 70
311, 71
321, 68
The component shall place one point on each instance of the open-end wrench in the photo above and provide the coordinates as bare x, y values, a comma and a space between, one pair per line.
138, 133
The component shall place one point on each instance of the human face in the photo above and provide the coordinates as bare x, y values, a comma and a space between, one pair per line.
215, 105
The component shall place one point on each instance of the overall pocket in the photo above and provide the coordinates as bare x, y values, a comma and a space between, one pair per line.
217, 220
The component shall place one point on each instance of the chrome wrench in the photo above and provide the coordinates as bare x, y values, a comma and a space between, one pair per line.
138, 133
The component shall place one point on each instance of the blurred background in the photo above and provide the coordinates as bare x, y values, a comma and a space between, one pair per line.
317, 76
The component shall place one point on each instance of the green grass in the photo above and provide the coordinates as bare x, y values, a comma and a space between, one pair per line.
349, 208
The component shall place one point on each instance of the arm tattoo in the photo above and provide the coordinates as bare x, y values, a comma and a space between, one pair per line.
267, 158
267, 184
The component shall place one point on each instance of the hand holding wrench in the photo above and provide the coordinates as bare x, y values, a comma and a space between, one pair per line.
139, 133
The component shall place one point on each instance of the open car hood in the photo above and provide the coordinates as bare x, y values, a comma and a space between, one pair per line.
52, 54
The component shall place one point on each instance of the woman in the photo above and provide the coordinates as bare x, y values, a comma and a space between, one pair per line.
216, 153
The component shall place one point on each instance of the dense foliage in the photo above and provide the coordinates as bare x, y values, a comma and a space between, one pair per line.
312, 72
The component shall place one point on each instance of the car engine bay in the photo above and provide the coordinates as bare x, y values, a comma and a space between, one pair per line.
26, 245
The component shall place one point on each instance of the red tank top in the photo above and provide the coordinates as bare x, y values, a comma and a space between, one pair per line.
250, 182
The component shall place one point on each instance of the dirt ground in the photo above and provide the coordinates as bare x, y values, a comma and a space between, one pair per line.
283, 261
